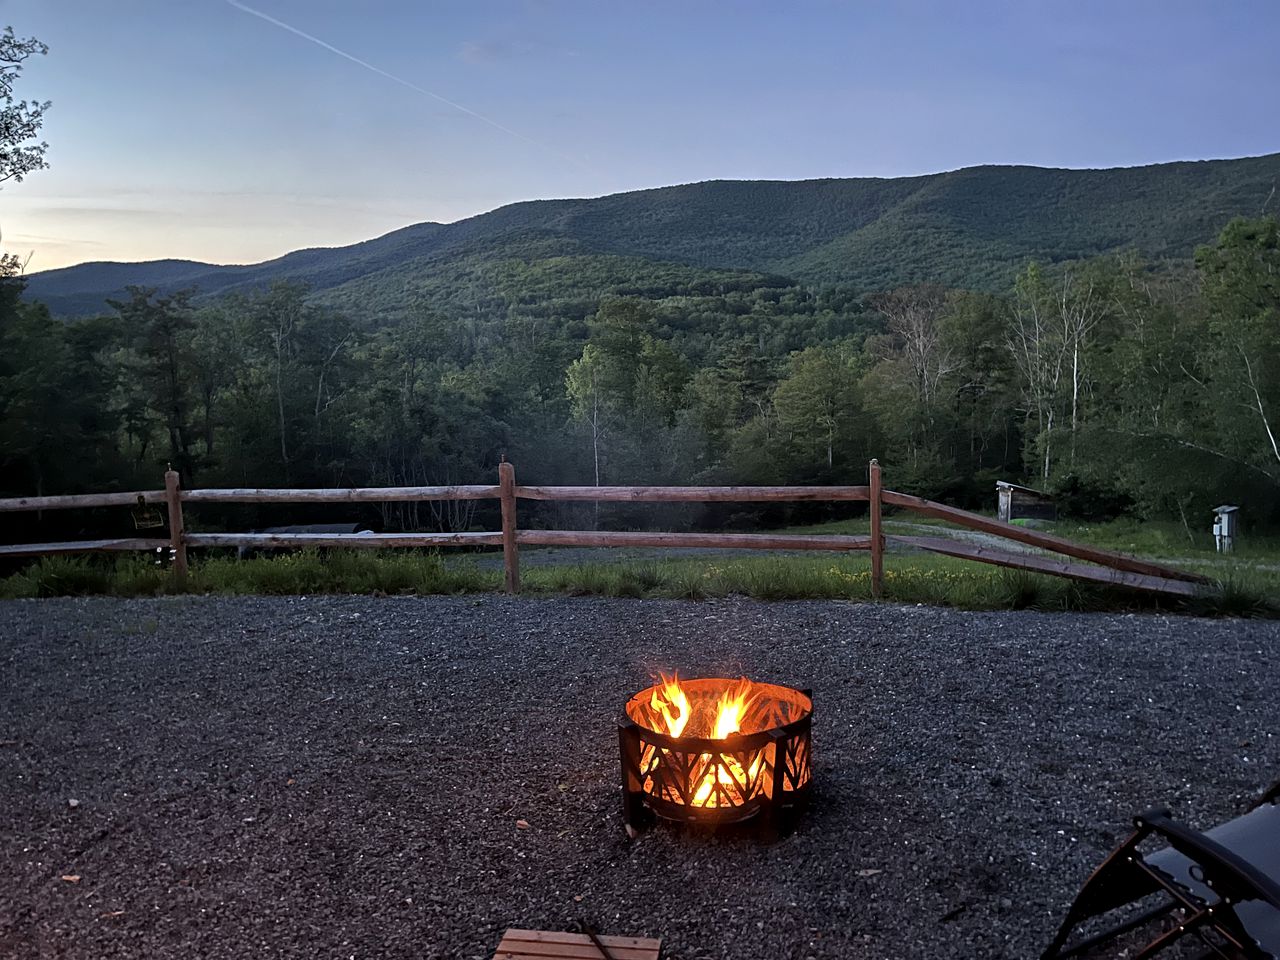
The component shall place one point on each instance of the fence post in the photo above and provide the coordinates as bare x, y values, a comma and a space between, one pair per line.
877, 537
177, 533
510, 552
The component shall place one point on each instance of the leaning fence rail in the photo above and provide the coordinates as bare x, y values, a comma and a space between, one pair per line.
1101, 566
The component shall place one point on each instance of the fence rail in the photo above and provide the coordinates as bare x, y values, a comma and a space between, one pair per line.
693, 494
1101, 566
339, 494
267, 541
18, 504
1050, 565
82, 546
740, 541
1034, 538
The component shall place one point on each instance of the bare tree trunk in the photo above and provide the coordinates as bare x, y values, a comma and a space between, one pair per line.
324, 369
284, 445
1081, 311
208, 419
595, 447
1186, 526
1048, 443
1257, 397
595, 437
1075, 395
1075, 384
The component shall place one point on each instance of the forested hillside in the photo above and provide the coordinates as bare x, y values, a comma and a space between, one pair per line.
1127, 384
973, 229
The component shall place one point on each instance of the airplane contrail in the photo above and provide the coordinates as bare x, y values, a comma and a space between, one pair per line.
403, 82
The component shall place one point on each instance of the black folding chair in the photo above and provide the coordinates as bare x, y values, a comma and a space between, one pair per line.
1222, 886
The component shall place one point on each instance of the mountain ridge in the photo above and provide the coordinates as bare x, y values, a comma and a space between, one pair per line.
972, 227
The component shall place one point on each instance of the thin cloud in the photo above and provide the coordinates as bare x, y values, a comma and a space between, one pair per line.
64, 241
485, 51
404, 83
95, 211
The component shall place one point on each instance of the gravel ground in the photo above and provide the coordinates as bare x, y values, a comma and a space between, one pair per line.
357, 777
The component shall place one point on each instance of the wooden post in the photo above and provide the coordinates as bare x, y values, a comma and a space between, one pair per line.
877, 537
510, 552
177, 533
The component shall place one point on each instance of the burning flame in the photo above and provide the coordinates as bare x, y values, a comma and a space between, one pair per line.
730, 708
670, 704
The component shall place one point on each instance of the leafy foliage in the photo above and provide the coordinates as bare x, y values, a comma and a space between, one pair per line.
20, 120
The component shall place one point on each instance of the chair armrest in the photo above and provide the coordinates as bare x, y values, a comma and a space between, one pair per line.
1227, 873
1270, 795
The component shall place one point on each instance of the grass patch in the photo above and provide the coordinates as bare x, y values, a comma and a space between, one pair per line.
1247, 580
937, 581
340, 571
1164, 538
910, 578
1149, 538
861, 526
919, 579
306, 572
124, 576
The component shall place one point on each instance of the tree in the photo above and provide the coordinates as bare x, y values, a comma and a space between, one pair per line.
980, 391
914, 317
1242, 287
583, 382
1082, 304
294, 375
415, 417
724, 397
20, 120
157, 327
914, 359
37, 397
817, 402
215, 357
628, 384
1052, 325
55, 423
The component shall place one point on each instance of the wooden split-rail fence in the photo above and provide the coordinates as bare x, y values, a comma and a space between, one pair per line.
1099, 566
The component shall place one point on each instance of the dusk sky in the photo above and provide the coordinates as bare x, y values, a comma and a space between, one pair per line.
199, 129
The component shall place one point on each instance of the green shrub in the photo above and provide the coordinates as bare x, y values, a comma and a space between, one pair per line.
140, 576
1237, 596
61, 577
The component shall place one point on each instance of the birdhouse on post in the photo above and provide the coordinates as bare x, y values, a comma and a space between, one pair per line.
1225, 519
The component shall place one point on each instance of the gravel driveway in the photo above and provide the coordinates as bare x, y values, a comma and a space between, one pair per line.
359, 777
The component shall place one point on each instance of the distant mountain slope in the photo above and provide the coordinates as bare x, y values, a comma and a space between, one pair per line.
84, 288
974, 227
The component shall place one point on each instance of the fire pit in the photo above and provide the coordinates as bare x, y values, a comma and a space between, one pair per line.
715, 751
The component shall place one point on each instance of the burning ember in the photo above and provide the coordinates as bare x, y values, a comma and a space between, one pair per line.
714, 750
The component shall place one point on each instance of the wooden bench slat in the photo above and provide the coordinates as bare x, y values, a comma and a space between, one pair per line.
552, 945
555, 936
570, 951
531, 950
